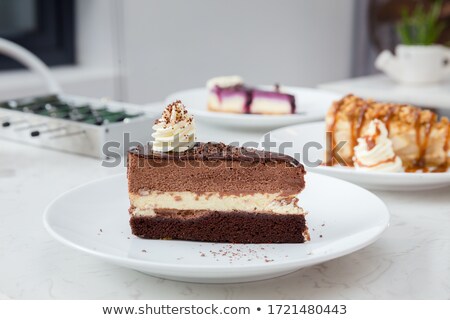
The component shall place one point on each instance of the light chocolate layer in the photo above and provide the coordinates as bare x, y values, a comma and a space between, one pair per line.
214, 167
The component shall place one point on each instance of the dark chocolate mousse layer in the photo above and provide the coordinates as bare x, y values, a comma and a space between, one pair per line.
214, 167
218, 151
216, 226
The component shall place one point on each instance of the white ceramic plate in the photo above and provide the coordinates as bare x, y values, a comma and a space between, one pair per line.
312, 105
300, 135
93, 218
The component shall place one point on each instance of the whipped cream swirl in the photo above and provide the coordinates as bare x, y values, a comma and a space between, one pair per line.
374, 151
175, 130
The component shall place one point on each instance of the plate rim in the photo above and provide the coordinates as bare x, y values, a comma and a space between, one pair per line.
292, 264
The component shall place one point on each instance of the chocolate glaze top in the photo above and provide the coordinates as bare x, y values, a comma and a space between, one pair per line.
217, 151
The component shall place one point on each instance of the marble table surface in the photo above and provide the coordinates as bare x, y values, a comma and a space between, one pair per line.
410, 261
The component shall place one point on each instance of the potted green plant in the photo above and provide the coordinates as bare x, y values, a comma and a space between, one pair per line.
418, 59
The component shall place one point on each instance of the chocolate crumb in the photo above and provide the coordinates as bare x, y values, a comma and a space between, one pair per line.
277, 87
175, 109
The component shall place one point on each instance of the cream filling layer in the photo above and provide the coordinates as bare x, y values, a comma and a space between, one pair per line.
146, 202
270, 106
230, 104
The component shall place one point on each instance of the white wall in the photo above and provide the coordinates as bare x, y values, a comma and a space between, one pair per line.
176, 44
142, 50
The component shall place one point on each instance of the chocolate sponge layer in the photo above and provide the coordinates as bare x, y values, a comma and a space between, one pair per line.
216, 226
214, 167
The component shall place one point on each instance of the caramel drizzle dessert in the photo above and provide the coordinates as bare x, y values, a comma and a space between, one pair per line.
350, 116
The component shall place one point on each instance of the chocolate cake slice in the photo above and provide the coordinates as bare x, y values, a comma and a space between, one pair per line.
213, 192
217, 193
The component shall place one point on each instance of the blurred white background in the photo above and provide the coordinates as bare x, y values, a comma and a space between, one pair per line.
142, 50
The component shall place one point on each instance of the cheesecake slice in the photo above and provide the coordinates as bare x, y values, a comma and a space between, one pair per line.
234, 99
272, 102
215, 192
229, 94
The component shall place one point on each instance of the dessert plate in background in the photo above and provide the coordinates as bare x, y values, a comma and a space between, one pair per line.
312, 105
302, 135
94, 217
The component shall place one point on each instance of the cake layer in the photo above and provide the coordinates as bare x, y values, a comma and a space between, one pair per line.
235, 99
272, 102
146, 202
218, 226
233, 104
214, 167
270, 106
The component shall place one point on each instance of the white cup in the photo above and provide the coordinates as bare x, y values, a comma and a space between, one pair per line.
416, 64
